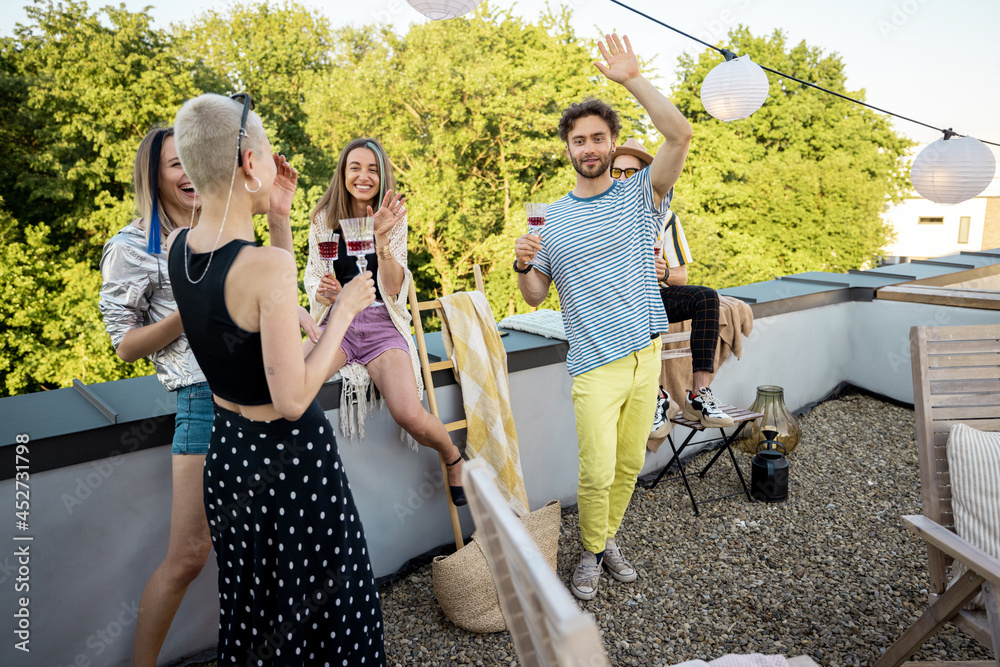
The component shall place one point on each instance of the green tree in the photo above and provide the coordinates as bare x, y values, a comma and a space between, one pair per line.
279, 54
467, 110
798, 186
89, 85
50, 327
86, 87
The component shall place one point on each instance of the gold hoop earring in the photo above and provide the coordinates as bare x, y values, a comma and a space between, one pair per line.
259, 185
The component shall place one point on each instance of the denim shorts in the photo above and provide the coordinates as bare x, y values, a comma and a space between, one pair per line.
193, 423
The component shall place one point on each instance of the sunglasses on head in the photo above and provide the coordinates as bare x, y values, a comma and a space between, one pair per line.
629, 173
248, 104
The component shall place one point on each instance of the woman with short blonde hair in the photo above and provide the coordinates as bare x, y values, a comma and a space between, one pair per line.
295, 581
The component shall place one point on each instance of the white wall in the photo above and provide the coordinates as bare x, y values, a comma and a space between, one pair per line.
933, 240
101, 528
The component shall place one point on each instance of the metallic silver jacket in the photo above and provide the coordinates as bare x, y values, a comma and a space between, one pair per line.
132, 296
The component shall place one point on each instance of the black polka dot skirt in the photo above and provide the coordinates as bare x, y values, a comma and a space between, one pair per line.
295, 582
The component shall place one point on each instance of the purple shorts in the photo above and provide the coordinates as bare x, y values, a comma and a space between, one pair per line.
370, 334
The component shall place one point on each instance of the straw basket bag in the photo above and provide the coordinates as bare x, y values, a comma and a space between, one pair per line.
462, 581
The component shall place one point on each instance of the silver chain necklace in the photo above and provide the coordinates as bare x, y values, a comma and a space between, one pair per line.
218, 236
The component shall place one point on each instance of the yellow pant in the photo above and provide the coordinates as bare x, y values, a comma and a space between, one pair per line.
614, 406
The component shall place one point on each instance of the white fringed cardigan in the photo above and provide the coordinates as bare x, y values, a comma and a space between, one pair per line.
357, 383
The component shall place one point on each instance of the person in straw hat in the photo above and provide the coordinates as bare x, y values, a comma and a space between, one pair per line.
682, 302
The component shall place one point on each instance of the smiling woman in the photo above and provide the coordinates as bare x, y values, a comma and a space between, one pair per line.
140, 314
377, 350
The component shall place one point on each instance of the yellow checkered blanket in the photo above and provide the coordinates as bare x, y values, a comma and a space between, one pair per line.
472, 341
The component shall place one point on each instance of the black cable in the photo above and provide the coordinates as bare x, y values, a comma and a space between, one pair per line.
728, 54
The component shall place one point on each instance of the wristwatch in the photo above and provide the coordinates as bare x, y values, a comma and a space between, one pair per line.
525, 270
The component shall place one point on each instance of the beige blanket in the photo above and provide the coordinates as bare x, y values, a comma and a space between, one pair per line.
735, 322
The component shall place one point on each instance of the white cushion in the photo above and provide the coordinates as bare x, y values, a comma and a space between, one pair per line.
974, 462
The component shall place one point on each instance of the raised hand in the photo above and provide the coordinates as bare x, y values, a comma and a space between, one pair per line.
622, 64
283, 190
389, 213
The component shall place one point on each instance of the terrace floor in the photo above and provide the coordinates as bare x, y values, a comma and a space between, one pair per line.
830, 573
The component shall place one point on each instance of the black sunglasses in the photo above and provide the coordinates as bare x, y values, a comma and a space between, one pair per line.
248, 104
629, 173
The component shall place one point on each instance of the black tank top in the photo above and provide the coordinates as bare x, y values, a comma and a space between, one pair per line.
345, 267
231, 358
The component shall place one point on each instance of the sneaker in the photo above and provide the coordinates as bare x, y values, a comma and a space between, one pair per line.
666, 409
702, 407
586, 577
615, 563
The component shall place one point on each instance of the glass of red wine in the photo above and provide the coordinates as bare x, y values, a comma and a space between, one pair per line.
536, 218
359, 234
329, 248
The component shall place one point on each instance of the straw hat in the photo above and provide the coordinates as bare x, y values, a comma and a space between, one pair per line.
635, 149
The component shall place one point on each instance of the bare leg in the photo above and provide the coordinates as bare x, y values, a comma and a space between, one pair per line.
701, 379
392, 373
190, 544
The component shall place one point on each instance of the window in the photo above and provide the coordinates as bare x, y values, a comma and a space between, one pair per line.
930, 221
963, 229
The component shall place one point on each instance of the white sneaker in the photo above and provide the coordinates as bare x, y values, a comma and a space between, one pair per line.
702, 407
666, 409
586, 577
615, 562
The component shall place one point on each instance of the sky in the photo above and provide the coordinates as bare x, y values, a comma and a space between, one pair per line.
927, 59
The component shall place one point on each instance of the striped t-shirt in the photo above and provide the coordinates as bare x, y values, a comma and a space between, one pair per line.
599, 253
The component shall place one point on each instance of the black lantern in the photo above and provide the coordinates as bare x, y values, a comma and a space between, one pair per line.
769, 473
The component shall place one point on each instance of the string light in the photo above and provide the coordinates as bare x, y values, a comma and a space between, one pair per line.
438, 10
966, 167
953, 169
734, 89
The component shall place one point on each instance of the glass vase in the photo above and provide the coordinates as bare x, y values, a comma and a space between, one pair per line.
770, 402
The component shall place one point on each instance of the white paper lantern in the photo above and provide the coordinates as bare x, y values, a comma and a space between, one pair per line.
734, 89
437, 10
953, 170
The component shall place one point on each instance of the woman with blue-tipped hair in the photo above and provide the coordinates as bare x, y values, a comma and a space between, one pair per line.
141, 317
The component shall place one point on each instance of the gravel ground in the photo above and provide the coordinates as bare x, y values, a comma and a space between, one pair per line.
830, 573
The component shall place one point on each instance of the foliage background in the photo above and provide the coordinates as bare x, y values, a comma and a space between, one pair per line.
467, 110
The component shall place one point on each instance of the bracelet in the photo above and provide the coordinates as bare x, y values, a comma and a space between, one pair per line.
525, 270
383, 252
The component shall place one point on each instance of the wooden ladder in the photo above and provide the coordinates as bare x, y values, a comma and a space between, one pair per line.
416, 308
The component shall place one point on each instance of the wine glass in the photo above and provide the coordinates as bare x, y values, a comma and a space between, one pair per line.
359, 233
536, 218
329, 249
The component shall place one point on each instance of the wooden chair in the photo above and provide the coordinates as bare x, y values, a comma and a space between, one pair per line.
956, 378
740, 419
416, 308
546, 625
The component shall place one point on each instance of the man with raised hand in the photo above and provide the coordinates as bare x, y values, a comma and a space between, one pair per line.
597, 247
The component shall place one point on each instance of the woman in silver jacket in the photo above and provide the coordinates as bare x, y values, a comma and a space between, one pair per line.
140, 315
